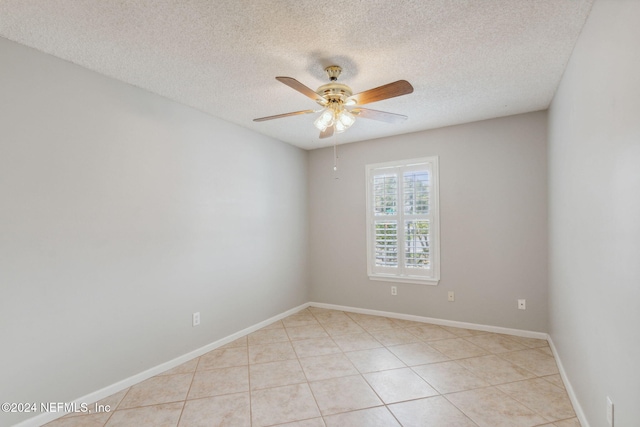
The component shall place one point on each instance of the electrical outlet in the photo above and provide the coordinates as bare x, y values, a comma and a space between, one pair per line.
451, 296
522, 304
196, 318
394, 290
609, 411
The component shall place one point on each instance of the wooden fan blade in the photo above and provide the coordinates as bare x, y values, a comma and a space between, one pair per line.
294, 84
382, 116
279, 116
327, 132
391, 90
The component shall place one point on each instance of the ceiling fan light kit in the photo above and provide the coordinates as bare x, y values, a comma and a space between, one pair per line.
335, 98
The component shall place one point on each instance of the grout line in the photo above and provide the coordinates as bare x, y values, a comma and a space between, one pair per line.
460, 409
186, 397
184, 403
249, 386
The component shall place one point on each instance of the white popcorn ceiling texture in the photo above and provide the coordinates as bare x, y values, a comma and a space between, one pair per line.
467, 60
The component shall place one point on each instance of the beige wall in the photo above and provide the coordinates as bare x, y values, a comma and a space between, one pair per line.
594, 215
121, 214
493, 223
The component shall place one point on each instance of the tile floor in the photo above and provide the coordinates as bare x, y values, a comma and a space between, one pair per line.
326, 368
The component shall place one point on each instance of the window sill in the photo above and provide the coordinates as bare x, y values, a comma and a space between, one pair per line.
414, 280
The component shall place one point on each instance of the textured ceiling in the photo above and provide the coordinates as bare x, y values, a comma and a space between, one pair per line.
468, 60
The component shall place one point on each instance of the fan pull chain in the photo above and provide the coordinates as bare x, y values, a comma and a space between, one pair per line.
335, 156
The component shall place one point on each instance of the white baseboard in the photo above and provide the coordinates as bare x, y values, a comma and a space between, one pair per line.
442, 322
567, 385
151, 372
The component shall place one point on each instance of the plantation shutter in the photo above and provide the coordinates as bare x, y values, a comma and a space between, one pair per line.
400, 220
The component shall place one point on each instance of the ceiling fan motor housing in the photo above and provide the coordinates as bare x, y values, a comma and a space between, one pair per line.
334, 92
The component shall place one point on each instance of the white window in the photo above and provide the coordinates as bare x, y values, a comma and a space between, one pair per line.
402, 221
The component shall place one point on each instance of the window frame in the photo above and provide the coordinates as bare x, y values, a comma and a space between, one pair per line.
402, 273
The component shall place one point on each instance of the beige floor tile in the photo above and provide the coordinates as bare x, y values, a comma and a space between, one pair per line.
541, 396
114, 400
449, 377
555, 379
215, 382
166, 415
403, 323
313, 422
184, 368
532, 360
428, 332
282, 405
360, 317
275, 374
489, 407
306, 332
156, 390
495, 370
320, 362
317, 310
344, 394
375, 359
224, 358
372, 417
111, 402
299, 319
354, 342
103, 408
573, 422
546, 350
495, 343
398, 385
396, 336
267, 336
263, 353
315, 347
331, 316
230, 410
372, 323
457, 348
240, 342
275, 325
327, 366
431, 412
417, 354
94, 420
461, 332
337, 328
528, 342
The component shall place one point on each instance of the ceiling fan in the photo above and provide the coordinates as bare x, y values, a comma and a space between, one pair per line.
340, 106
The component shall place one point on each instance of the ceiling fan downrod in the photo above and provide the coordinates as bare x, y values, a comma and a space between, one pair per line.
333, 71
